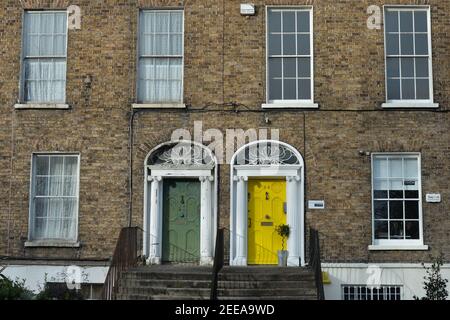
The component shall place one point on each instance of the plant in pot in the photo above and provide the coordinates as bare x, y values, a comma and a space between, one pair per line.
283, 231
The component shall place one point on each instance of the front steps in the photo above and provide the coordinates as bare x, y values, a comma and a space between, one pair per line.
266, 283
177, 282
166, 282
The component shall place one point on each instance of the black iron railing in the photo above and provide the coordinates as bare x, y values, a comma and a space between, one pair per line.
219, 258
126, 255
314, 261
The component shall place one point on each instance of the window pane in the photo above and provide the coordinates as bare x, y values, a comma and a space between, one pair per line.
396, 229
380, 168
411, 210
408, 89
274, 21
396, 189
423, 89
160, 45
304, 67
422, 67
61, 22
176, 44
303, 44
393, 89
380, 189
275, 89
289, 66
395, 168
56, 186
412, 229
275, 67
380, 209
381, 230
407, 44
56, 165
393, 67
420, 21
71, 165
176, 22
289, 21
407, 67
70, 186
290, 89
42, 165
391, 21
40, 207
303, 21
289, 44
406, 21
42, 186
410, 168
274, 44
395, 209
162, 22
304, 89
392, 44
421, 44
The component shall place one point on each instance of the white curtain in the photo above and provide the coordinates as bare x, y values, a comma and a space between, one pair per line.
45, 56
160, 67
56, 197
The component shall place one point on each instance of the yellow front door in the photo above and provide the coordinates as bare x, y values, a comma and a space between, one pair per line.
266, 210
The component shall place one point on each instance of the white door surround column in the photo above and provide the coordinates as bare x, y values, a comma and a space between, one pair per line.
241, 221
206, 231
155, 236
293, 242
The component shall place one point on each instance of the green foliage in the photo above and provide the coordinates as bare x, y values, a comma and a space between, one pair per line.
283, 230
14, 290
435, 286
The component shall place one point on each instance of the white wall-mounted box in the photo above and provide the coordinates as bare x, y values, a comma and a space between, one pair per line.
248, 9
433, 197
316, 204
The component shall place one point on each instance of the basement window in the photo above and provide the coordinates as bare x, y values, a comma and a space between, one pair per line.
359, 292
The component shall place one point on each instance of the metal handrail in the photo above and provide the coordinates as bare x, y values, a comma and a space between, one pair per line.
218, 262
315, 262
126, 255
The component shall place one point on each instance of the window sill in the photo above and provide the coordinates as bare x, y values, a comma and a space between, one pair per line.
158, 106
412, 105
398, 247
54, 106
52, 244
290, 105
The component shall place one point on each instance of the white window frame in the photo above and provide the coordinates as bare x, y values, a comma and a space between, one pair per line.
309, 103
169, 104
405, 244
411, 103
40, 104
51, 242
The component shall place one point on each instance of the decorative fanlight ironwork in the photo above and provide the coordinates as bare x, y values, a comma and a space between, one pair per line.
181, 154
267, 153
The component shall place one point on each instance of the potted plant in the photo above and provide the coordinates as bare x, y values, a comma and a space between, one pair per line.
283, 231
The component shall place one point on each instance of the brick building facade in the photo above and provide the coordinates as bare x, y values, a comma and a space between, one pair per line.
225, 87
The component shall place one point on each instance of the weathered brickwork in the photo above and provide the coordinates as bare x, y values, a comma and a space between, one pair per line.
224, 65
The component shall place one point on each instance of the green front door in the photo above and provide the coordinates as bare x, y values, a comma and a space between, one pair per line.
181, 222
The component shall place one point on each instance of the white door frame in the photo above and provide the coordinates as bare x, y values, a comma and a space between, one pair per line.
294, 175
153, 199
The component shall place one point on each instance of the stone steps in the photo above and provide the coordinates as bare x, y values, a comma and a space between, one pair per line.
169, 282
